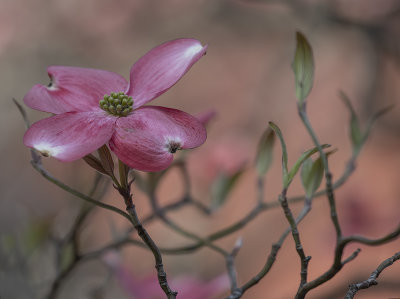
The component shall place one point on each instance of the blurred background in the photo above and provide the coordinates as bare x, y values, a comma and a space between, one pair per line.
247, 79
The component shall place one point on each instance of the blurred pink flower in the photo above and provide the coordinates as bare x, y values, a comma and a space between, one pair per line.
95, 107
206, 116
225, 156
228, 157
357, 216
148, 287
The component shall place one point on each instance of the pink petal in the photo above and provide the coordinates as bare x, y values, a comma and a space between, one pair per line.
74, 89
70, 136
161, 68
206, 116
146, 139
193, 288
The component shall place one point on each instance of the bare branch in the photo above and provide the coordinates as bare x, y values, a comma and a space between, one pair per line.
372, 280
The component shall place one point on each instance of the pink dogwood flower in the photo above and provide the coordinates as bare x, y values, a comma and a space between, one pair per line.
146, 287
95, 107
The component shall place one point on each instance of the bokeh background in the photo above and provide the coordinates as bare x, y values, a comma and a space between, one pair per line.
246, 77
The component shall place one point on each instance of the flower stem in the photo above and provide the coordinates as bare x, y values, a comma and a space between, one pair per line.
162, 276
124, 190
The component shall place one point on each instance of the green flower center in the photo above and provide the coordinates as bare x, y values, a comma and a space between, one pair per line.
118, 104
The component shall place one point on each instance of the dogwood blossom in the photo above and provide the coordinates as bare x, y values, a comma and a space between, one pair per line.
95, 107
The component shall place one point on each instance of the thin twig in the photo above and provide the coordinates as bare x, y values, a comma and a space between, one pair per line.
272, 256
328, 174
230, 265
258, 209
162, 276
296, 237
71, 239
38, 166
372, 280
55, 286
338, 263
125, 190
179, 229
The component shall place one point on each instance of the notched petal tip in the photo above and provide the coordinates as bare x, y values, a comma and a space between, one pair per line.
52, 86
44, 148
173, 144
147, 139
195, 49
73, 89
69, 136
47, 151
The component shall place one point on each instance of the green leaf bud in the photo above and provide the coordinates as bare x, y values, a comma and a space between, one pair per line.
303, 67
311, 175
299, 162
278, 133
106, 160
222, 187
356, 135
265, 150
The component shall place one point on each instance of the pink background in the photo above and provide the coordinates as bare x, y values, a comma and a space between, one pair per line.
246, 77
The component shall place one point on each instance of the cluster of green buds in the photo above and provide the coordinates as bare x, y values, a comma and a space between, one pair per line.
118, 104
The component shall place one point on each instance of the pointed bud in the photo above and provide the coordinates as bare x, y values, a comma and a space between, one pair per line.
356, 135
312, 173
95, 163
300, 161
106, 159
303, 67
125, 112
264, 152
278, 133
221, 188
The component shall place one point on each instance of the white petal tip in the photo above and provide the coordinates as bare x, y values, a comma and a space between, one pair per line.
193, 50
48, 150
